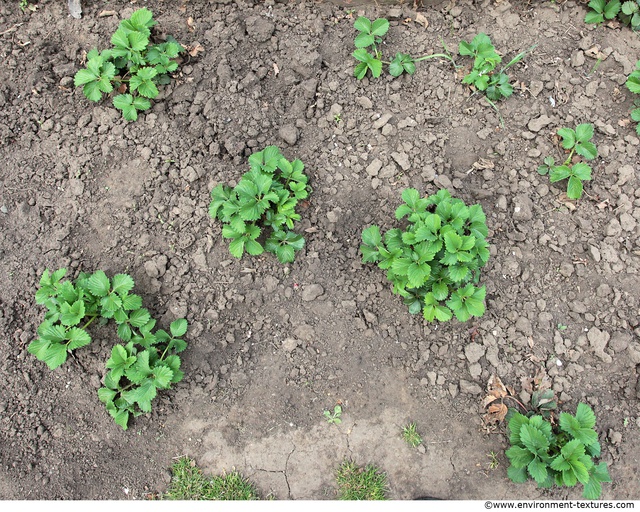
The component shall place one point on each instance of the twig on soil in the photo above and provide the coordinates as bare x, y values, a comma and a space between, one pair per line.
12, 29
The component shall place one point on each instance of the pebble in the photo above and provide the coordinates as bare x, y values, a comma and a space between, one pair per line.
312, 292
535, 125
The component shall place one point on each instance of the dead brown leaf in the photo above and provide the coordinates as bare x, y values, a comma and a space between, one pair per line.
496, 414
422, 20
195, 49
105, 13
191, 24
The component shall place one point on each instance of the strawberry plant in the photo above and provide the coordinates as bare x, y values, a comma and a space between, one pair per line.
134, 66
369, 57
628, 12
483, 76
146, 363
557, 454
633, 84
265, 198
574, 141
434, 264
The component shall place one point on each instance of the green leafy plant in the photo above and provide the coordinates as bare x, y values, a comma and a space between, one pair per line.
576, 141
134, 66
484, 76
561, 455
146, 363
410, 435
633, 84
189, 483
434, 263
544, 403
356, 483
265, 198
628, 12
334, 417
369, 57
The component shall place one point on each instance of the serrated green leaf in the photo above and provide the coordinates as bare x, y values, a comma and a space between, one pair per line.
364, 40
568, 137
162, 376
131, 302
124, 332
77, 338
362, 24
517, 475
587, 150
178, 327
122, 283
584, 132
574, 188
55, 355
99, 284
106, 395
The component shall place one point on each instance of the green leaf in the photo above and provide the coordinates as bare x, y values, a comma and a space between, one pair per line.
162, 376
581, 171
131, 302
77, 338
124, 102
585, 416
519, 457
364, 40
371, 236
574, 188
587, 149
178, 327
142, 395
236, 247
380, 27
55, 355
72, 314
534, 440
99, 284
362, 24
568, 137
538, 470
559, 173
122, 283
106, 395
517, 475
584, 132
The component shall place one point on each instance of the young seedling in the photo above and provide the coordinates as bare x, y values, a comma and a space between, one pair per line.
576, 141
633, 84
434, 264
410, 435
133, 67
265, 198
334, 417
369, 56
146, 363
557, 454
628, 12
484, 76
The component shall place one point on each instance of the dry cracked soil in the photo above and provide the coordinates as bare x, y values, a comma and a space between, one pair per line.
272, 346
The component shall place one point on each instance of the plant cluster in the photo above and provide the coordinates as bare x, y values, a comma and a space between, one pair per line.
356, 483
188, 483
561, 455
147, 362
484, 76
628, 12
265, 198
134, 66
633, 84
369, 56
434, 263
578, 142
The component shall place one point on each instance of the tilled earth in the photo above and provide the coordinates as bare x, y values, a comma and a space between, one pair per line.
272, 346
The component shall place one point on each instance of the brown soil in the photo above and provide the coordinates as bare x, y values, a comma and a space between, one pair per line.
272, 346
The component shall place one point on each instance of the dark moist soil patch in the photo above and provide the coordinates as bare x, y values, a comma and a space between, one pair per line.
272, 346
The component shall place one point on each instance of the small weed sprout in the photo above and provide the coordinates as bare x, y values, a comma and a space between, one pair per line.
369, 56
576, 141
335, 416
411, 436
493, 463
134, 66
356, 483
